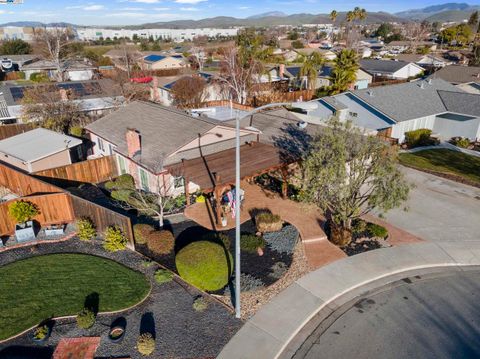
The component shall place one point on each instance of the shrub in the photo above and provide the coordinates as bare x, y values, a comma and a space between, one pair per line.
359, 226
248, 283
163, 276
145, 344
77, 131
420, 137
141, 232
250, 243
461, 142
161, 242
268, 222
200, 304
124, 181
115, 240
283, 241
39, 77
86, 318
40, 332
204, 264
147, 263
375, 230
86, 229
200, 199
216, 237
23, 211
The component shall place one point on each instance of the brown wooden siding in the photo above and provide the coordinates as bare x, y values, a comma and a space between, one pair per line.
91, 171
7, 131
22, 184
102, 217
55, 208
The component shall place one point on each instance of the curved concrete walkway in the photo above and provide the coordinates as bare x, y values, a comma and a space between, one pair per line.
276, 330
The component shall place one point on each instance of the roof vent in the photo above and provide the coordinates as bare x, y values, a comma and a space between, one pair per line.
370, 93
422, 85
429, 81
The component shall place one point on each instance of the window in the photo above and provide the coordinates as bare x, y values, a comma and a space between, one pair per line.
100, 144
110, 149
143, 179
122, 165
178, 182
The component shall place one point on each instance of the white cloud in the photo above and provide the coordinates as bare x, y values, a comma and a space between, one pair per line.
189, 9
130, 9
91, 7
6, 12
144, 1
150, 16
189, 1
161, 8
243, 7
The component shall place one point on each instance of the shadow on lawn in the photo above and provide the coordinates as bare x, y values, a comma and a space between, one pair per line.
92, 302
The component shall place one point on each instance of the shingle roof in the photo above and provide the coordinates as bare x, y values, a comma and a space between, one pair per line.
409, 100
383, 66
36, 144
461, 102
457, 74
163, 130
4, 113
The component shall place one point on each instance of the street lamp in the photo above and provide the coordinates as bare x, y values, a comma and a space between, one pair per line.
301, 105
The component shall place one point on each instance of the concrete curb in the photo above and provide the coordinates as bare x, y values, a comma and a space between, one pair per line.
276, 330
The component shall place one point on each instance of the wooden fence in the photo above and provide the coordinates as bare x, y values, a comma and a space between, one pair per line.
90, 171
102, 217
7, 131
55, 208
23, 184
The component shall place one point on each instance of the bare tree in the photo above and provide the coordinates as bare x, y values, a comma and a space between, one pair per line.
54, 42
238, 75
189, 92
416, 32
52, 108
198, 57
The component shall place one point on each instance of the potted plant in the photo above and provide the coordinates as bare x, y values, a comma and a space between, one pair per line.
116, 334
54, 230
41, 333
23, 212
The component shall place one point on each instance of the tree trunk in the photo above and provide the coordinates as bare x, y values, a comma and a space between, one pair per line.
340, 235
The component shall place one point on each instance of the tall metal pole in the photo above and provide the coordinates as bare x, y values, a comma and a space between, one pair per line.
237, 217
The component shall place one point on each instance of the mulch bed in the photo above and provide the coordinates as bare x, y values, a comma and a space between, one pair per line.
180, 331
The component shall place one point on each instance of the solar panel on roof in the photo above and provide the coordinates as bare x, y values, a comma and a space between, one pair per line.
154, 58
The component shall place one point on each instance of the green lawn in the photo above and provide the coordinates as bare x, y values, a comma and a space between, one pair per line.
42, 287
445, 161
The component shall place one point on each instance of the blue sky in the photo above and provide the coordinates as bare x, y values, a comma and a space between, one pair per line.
124, 12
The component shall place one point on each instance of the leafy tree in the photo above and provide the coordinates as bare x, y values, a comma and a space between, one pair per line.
348, 174
297, 44
476, 56
189, 92
473, 20
345, 71
23, 211
15, 47
384, 30
461, 34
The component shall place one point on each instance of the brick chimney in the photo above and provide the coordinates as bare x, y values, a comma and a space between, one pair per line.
63, 95
281, 71
134, 144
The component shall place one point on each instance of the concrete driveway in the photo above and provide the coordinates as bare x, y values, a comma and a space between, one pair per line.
439, 209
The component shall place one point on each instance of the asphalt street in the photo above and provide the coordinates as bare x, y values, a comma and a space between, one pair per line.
414, 318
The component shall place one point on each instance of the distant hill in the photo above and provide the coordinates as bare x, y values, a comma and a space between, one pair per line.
444, 12
37, 24
267, 14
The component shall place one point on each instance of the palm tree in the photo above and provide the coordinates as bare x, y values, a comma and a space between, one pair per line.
345, 71
333, 15
349, 17
310, 67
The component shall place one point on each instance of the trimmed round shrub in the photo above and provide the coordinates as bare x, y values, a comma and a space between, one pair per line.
86, 318
217, 238
375, 230
200, 304
206, 265
268, 222
40, 332
141, 232
250, 243
163, 276
86, 229
23, 211
115, 240
146, 344
161, 242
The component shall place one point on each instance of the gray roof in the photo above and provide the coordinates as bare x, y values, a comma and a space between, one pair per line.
4, 113
163, 131
457, 74
36, 144
461, 102
382, 66
20, 59
409, 100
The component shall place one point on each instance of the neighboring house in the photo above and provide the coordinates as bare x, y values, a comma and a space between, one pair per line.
395, 109
401, 46
425, 61
147, 138
290, 55
162, 62
10, 63
95, 97
466, 78
40, 149
73, 70
391, 69
161, 90
327, 54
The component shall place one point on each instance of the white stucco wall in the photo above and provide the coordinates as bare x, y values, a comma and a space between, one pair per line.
410, 70
399, 129
457, 126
